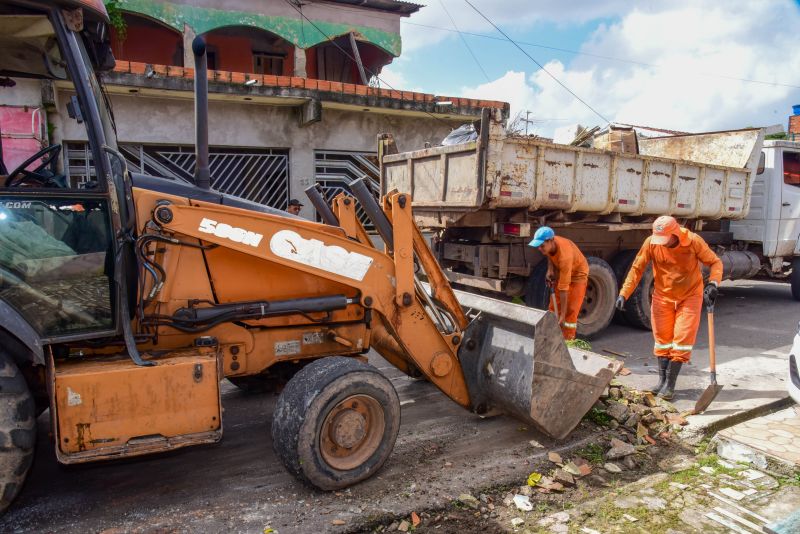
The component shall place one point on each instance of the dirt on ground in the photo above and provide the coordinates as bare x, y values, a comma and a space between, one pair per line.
636, 475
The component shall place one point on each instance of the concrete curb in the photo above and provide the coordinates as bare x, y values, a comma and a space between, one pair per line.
693, 435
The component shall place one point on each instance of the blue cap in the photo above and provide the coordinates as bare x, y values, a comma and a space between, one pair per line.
542, 234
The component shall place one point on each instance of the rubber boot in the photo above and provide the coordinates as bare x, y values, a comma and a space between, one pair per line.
668, 391
663, 363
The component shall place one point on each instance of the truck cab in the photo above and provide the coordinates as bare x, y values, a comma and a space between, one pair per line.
773, 222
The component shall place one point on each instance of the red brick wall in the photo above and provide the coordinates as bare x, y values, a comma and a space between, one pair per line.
794, 124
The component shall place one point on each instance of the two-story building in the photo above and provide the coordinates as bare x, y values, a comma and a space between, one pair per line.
295, 95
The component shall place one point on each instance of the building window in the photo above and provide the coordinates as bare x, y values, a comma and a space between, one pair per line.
791, 168
265, 63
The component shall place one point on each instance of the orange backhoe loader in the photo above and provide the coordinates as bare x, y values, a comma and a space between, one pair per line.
125, 301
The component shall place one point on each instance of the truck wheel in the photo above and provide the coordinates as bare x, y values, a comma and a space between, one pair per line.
17, 430
637, 308
621, 264
336, 422
536, 293
795, 278
598, 304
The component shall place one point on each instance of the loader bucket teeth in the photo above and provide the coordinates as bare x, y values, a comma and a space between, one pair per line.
515, 361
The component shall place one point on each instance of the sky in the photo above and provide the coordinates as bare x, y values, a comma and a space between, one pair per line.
680, 64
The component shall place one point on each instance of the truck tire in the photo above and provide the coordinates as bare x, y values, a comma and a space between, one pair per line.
336, 422
795, 278
17, 430
637, 308
598, 304
536, 293
621, 264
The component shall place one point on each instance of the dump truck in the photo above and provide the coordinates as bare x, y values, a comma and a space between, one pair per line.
125, 301
480, 201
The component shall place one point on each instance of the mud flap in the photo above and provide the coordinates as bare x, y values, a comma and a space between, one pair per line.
515, 361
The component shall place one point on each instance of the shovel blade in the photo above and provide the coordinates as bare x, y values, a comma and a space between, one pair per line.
707, 398
515, 361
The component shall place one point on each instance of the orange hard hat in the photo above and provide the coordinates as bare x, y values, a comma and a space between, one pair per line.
663, 229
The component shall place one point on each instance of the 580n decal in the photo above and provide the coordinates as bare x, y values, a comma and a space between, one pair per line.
226, 231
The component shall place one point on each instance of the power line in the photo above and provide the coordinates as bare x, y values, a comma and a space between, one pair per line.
464, 40
601, 56
353, 59
582, 101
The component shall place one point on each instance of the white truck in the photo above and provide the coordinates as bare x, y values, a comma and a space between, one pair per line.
482, 200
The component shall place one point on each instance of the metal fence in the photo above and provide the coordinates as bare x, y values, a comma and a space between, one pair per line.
260, 175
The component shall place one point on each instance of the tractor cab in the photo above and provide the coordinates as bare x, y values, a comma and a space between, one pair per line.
59, 238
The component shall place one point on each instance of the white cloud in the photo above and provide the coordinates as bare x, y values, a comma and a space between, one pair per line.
508, 14
698, 48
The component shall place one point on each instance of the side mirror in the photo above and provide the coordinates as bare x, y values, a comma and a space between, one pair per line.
761, 163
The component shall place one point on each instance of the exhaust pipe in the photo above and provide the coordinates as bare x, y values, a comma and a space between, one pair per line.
202, 175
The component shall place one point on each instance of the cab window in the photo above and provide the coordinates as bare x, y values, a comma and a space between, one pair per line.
791, 168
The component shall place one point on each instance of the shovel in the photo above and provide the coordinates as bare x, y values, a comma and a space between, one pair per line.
713, 389
554, 301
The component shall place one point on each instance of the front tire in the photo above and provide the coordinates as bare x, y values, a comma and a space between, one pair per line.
336, 423
17, 430
598, 304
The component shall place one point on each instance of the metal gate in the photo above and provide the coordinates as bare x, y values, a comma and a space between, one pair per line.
260, 175
334, 170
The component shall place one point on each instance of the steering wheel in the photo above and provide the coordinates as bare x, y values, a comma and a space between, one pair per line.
21, 174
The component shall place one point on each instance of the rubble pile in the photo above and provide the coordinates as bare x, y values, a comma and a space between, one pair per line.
635, 412
633, 422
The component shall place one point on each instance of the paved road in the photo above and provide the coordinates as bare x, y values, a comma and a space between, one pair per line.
442, 451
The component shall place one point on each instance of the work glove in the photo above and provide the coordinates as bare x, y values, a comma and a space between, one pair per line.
710, 295
620, 304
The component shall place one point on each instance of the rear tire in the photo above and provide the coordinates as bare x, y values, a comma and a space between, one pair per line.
795, 278
336, 422
17, 430
536, 293
621, 264
598, 304
637, 308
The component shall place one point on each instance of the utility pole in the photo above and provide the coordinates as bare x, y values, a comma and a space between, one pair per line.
527, 122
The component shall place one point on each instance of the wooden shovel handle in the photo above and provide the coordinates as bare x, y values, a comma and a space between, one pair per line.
712, 356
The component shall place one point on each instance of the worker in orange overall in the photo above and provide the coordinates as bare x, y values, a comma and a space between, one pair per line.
568, 270
676, 254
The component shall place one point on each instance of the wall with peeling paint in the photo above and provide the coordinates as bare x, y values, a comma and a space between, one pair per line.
144, 119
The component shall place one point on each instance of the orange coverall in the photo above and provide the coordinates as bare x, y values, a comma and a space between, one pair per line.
573, 275
678, 295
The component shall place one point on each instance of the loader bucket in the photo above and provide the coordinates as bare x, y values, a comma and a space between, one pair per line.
515, 360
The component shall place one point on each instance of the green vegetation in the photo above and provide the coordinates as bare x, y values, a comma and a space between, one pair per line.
579, 344
781, 135
592, 452
117, 21
598, 417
